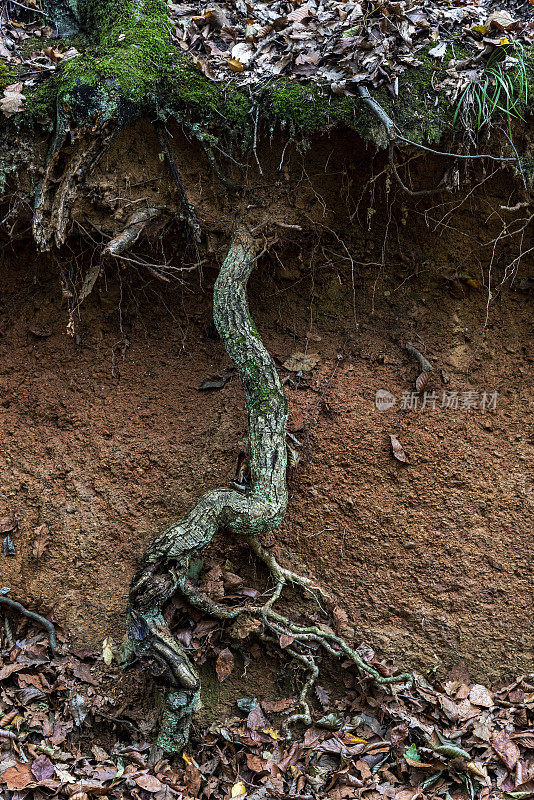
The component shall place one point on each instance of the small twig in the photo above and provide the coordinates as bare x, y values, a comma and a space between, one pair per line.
518, 206
36, 617
26, 8
424, 363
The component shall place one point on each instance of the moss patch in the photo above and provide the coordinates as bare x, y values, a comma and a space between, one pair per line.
5, 77
187, 91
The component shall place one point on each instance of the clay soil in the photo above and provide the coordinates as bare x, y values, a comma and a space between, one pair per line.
106, 438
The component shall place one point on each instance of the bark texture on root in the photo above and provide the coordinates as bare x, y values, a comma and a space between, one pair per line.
262, 508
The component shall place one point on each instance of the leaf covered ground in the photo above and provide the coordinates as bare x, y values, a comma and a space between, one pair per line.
333, 43
67, 730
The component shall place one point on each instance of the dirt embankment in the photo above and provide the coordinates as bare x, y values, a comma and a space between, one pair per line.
106, 438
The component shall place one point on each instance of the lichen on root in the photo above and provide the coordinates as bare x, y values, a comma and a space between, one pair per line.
259, 509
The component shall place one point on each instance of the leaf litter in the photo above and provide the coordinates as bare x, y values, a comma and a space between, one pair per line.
452, 739
339, 44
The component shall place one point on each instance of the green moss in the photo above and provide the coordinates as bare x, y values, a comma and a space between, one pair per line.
189, 92
129, 60
310, 107
5, 77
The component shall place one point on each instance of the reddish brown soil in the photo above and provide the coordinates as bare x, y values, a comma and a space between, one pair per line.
107, 440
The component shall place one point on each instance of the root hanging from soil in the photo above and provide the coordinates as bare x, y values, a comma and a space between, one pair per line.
247, 514
64, 172
46, 624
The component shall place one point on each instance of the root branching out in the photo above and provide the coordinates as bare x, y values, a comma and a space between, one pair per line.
246, 514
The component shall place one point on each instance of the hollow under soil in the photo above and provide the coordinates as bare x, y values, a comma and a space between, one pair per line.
106, 438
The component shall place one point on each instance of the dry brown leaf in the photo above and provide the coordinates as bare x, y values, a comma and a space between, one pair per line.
506, 749
17, 777
224, 664
422, 381
502, 20
398, 450
301, 362
40, 541
149, 783
13, 99
7, 524
192, 778
480, 696
286, 641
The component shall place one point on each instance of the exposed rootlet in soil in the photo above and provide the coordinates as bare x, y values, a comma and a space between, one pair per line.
71, 726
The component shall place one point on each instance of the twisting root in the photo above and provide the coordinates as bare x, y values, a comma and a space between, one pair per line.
258, 510
47, 625
165, 564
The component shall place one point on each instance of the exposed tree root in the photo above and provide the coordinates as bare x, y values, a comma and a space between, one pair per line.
47, 625
135, 224
423, 362
57, 192
260, 509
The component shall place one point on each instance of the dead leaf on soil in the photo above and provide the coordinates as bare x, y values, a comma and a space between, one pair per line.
8, 524
398, 450
215, 381
506, 749
480, 696
41, 540
42, 768
286, 641
301, 362
13, 99
224, 664
149, 783
17, 777
422, 381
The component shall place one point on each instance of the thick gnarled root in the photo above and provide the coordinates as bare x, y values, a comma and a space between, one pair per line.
261, 509
65, 171
258, 510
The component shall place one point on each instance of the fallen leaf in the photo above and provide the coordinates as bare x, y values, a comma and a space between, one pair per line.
238, 789
480, 696
502, 20
13, 99
107, 652
301, 362
422, 381
273, 734
236, 66
256, 720
286, 641
17, 777
8, 524
506, 749
42, 768
224, 664
215, 381
398, 450
149, 783
41, 539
